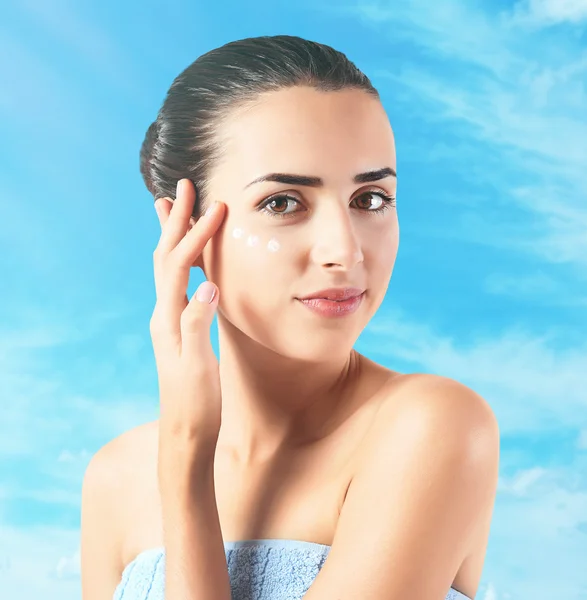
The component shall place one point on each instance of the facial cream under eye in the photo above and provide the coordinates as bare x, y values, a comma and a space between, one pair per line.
273, 245
253, 240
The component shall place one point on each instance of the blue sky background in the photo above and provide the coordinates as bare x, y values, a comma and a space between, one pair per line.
488, 103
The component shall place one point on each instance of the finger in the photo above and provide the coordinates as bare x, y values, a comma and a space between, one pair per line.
165, 340
162, 208
172, 272
199, 234
174, 221
196, 321
172, 277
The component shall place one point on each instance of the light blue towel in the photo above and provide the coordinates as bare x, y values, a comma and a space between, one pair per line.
258, 570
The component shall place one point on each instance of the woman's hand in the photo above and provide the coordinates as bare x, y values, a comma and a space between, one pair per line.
189, 381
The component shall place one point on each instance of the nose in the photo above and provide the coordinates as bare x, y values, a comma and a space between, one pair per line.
336, 244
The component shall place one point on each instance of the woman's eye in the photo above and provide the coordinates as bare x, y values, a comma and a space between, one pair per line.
379, 203
278, 205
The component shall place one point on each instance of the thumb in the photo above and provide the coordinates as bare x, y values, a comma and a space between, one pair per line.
207, 293
196, 321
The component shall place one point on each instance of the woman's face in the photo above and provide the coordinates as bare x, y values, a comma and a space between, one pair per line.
271, 250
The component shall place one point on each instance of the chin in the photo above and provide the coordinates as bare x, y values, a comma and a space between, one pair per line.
319, 345
295, 332
313, 355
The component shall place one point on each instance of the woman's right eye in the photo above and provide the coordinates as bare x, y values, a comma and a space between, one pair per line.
279, 202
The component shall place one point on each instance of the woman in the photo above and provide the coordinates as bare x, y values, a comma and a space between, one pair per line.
295, 467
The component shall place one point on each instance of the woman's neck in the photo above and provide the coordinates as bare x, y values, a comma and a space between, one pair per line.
272, 403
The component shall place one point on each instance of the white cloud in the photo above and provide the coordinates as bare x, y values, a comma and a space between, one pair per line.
69, 567
33, 565
47, 412
542, 13
524, 102
42, 494
64, 23
521, 95
490, 593
50, 427
537, 288
531, 383
521, 483
537, 544
74, 457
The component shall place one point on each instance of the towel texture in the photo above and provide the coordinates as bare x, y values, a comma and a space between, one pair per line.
258, 570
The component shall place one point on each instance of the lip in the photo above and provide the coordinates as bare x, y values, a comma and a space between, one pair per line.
350, 300
335, 294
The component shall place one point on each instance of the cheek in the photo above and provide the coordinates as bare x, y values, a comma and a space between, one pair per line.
380, 247
252, 249
385, 240
239, 257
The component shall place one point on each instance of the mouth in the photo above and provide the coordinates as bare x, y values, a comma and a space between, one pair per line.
334, 303
335, 294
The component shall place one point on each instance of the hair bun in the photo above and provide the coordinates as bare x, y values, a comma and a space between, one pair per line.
146, 154
152, 136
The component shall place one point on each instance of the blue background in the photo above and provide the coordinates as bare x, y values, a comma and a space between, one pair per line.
487, 101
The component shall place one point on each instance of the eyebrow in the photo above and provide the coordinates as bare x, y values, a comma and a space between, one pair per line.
375, 175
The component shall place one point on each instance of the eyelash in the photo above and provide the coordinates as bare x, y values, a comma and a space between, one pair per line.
388, 202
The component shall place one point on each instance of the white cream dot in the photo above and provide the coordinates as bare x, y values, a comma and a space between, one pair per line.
273, 245
237, 232
252, 240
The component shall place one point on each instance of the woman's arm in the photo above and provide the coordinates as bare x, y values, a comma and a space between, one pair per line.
195, 559
412, 512
190, 402
101, 566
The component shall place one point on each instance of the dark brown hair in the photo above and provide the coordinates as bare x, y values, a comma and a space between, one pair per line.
183, 141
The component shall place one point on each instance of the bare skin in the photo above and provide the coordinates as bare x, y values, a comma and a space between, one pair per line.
298, 495
298, 403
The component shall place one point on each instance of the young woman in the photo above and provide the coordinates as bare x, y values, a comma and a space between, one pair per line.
293, 467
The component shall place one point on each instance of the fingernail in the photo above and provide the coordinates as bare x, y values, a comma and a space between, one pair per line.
178, 188
206, 292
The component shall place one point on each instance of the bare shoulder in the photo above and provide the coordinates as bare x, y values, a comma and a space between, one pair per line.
432, 424
121, 456
439, 409
438, 415
443, 405
107, 479
420, 496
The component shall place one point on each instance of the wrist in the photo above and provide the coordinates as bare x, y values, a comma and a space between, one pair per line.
185, 473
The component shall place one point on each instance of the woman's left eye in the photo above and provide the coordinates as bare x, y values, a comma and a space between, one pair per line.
385, 202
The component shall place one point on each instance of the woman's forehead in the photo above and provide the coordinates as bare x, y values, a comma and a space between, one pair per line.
306, 112
295, 140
